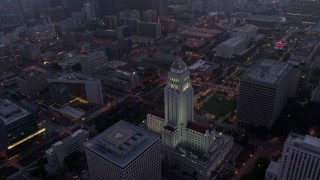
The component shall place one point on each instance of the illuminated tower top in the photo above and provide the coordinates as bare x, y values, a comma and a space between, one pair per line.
178, 95
179, 66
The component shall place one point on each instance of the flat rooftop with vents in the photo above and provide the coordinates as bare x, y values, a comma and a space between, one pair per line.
307, 46
11, 112
306, 142
121, 143
268, 71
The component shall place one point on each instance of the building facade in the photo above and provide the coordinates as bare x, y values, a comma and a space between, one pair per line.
305, 51
124, 151
59, 150
9, 57
93, 62
32, 82
264, 90
300, 159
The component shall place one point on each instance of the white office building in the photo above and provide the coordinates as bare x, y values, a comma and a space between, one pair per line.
264, 90
59, 150
124, 151
193, 147
300, 159
94, 62
231, 47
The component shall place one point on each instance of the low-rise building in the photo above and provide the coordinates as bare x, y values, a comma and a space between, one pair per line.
203, 70
246, 31
61, 149
266, 21
9, 57
202, 33
64, 88
231, 47
264, 90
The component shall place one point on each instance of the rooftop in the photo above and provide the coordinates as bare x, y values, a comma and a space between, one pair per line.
268, 71
121, 143
266, 18
306, 142
200, 32
232, 41
8, 75
71, 112
199, 128
246, 28
203, 66
169, 128
71, 76
307, 46
157, 113
10, 112
314, 29
115, 64
197, 64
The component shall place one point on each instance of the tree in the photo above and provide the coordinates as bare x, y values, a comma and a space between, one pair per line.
219, 128
259, 170
77, 67
73, 161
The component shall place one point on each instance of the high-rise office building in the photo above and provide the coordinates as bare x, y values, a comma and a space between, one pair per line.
90, 10
300, 159
73, 5
9, 57
32, 82
149, 29
264, 90
305, 52
124, 151
94, 62
68, 87
184, 140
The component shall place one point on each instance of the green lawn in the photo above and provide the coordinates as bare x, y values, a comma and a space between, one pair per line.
218, 105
